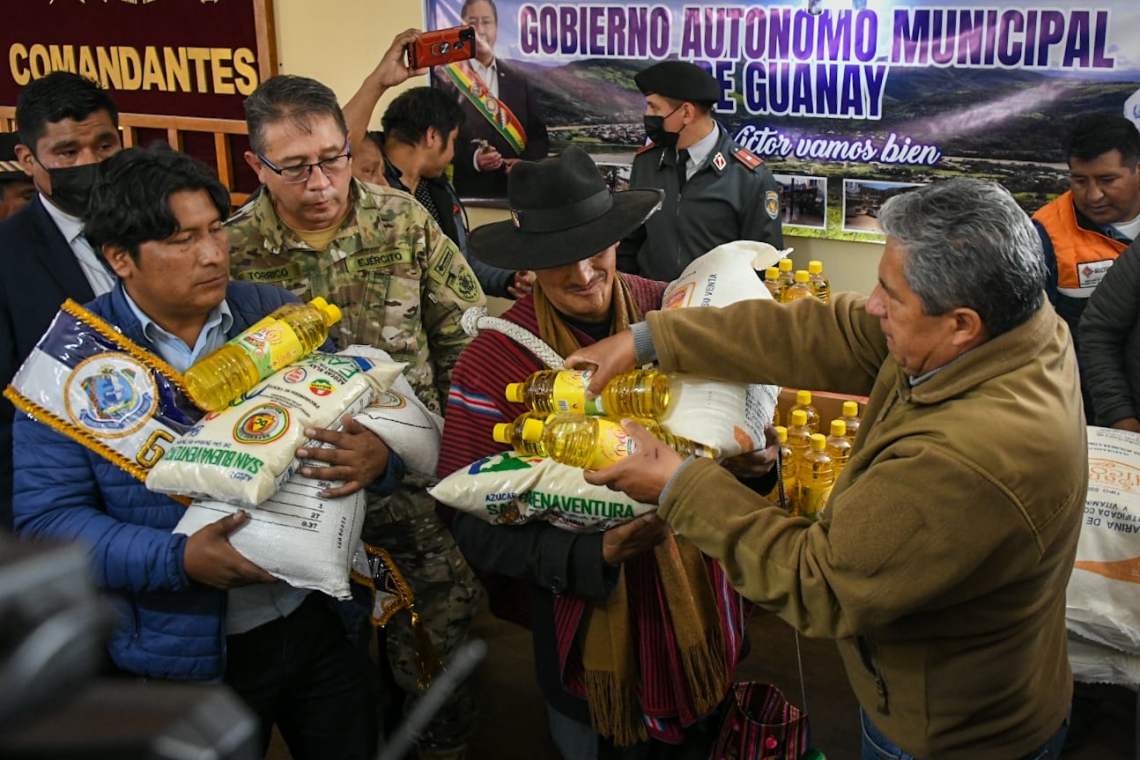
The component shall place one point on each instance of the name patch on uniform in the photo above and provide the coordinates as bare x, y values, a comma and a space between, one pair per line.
441, 270
1090, 273
364, 262
283, 273
772, 203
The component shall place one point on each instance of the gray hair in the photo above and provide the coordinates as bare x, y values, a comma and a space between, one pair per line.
968, 244
286, 97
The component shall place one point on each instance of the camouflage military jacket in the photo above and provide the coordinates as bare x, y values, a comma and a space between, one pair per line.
401, 284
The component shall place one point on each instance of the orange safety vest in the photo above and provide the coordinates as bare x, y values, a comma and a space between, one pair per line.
1083, 256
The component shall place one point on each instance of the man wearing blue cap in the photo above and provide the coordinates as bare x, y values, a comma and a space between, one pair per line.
715, 190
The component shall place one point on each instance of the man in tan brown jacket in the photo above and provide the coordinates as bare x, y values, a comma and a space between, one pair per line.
941, 560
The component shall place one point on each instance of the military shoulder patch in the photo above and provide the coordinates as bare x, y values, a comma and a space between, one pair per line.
441, 269
464, 285
749, 159
772, 203
641, 150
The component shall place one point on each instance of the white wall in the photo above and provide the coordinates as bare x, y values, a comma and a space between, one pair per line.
340, 41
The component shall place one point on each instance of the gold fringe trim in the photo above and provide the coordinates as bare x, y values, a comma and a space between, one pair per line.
705, 673
112, 334
82, 437
614, 710
428, 663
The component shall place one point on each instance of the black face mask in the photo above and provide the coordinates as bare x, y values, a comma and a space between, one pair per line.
71, 187
655, 130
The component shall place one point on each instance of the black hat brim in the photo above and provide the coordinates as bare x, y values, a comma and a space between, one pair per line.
503, 245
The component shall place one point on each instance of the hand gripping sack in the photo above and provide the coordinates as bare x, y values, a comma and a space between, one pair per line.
243, 454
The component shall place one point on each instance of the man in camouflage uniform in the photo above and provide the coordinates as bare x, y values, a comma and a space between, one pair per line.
402, 286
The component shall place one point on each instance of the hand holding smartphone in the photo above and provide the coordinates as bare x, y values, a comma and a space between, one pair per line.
441, 46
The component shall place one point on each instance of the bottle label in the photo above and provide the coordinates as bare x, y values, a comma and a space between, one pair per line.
270, 344
812, 500
569, 393
612, 445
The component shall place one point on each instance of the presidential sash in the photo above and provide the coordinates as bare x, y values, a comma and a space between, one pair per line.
494, 110
107, 393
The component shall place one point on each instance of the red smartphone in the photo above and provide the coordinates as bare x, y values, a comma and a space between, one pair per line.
442, 46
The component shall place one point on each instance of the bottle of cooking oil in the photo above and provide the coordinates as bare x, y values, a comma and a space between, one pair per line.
803, 401
799, 434
787, 276
801, 287
289, 333
772, 281
642, 393
816, 477
820, 285
524, 434
595, 442
851, 417
839, 446
788, 466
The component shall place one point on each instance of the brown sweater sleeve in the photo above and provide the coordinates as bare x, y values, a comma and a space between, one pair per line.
834, 347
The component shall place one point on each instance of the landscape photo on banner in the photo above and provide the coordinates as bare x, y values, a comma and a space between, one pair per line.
847, 101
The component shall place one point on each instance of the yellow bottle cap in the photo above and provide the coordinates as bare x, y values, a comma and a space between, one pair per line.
785, 265
782, 433
331, 313
818, 442
850, 409
515, 392
532, 430
502, 432
318, 303
802, 276
815, 267
799, 418
771, 273
803, 398
838, 428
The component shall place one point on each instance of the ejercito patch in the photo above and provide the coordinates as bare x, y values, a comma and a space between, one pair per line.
772, 203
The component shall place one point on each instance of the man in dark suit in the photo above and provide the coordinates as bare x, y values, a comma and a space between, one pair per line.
502, 123
67, 126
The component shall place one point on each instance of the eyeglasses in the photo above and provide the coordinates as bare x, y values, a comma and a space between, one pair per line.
295, 175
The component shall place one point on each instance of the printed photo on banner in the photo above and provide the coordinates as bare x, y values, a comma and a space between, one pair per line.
843, 90
862, 201
803, 201
616, 175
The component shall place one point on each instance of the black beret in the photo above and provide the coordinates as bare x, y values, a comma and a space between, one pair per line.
680, 81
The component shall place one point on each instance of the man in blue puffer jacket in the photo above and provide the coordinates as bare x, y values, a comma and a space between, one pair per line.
192, 608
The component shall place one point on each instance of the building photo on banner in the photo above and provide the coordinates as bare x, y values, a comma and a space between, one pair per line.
848, 101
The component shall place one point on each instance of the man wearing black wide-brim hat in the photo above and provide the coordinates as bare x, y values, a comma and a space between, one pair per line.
602, 606
715, 190
16, 188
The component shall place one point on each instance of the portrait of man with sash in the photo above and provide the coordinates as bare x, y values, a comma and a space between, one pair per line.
503, 123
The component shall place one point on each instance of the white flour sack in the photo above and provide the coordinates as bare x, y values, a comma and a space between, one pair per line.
727, 416
294, 535
241, 455
401, 420
1103, 600
511, 489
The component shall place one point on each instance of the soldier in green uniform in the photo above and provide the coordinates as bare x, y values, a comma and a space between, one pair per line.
401, 285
